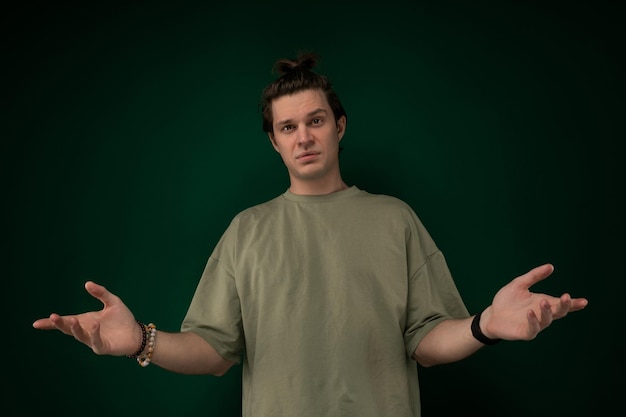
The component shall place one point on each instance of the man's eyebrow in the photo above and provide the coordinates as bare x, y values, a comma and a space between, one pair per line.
309, 114
316, 111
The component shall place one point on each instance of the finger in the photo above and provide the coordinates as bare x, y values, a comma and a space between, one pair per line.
43, 324
535, 275
533, 324
79, 332
61, 323
562, 306
546, 314
101, 293
578, 304
96, 340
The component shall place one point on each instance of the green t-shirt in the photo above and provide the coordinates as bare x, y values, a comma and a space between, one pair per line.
324, 299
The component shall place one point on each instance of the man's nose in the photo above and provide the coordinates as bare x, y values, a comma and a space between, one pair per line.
304, 136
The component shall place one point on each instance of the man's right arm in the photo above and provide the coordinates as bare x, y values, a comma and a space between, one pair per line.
188, 353
115, 331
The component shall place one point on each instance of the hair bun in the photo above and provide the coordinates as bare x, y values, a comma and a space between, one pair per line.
304, 62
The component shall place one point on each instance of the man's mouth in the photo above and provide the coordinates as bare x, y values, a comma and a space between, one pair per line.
306, 155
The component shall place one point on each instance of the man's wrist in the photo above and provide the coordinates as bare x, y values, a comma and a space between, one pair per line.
478, 333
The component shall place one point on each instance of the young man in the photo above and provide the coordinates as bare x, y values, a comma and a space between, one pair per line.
327, 294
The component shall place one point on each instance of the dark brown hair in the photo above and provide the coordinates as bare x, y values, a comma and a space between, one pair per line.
297, 75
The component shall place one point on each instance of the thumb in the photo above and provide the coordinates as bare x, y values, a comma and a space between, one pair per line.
101, 293
535, 275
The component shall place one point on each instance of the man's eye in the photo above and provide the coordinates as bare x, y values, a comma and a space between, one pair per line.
286, 128
316, 121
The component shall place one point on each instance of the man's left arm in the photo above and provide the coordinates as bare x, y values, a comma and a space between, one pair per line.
516, 313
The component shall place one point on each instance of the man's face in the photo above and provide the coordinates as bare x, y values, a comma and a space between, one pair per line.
307, 137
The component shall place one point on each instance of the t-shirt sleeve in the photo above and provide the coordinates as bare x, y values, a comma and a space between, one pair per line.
432, 293
215, 311
433, 297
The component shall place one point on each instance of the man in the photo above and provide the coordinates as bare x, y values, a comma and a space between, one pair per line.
327, 294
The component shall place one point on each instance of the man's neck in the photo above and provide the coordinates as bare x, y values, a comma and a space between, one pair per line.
315, 188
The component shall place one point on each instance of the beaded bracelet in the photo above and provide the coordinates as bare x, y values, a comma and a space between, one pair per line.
145, 359
142, 344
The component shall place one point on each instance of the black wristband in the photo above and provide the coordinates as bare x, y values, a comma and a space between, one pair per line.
142, 344
478, 334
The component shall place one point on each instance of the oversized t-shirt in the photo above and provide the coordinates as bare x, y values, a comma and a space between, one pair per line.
324, 299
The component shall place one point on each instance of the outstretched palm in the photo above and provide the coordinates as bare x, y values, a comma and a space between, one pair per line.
110, 331
519, 314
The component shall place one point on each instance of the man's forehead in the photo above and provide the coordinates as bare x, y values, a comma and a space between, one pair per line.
299, 104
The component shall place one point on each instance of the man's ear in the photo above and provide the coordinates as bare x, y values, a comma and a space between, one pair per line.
341, 126
273, 140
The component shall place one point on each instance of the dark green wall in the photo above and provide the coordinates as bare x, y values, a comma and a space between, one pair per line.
131, 137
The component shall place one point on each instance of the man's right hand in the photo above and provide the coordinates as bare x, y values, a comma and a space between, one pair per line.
110, 331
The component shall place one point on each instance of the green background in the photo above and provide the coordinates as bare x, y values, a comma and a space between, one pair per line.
131, 136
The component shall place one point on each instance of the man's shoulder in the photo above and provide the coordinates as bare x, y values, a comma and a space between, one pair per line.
384, 200
259, 209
